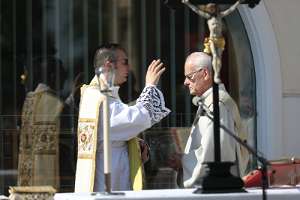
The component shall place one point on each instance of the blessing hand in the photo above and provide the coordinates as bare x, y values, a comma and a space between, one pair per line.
154, 72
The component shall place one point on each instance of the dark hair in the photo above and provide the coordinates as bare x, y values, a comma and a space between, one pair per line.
106, 52
111, 46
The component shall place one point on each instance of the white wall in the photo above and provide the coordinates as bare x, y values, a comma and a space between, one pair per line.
273, 28
285, 19
286, 25
267, 68
291, 121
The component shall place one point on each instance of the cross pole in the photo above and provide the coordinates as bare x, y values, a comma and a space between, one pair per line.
174, 4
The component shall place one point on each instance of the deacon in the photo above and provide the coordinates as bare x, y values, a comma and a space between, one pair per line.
126, 122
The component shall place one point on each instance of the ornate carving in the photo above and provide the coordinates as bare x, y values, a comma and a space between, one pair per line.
31, 193
46, 137
25, 170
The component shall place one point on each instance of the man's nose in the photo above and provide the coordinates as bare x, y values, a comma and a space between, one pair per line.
186, 82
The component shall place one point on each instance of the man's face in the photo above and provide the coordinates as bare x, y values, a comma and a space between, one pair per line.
122, 67
195, 79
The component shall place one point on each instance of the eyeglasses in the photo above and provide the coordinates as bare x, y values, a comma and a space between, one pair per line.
191, 75
124, 61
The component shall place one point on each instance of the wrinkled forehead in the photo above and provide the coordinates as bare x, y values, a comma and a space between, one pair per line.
189, 67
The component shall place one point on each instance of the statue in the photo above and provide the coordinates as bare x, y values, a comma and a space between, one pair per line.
215, 43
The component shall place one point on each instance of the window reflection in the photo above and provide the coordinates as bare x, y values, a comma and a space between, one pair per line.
71, 30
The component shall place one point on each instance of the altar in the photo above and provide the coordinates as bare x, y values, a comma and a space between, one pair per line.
290, 193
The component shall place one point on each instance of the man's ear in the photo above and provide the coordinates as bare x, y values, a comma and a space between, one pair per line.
206, 74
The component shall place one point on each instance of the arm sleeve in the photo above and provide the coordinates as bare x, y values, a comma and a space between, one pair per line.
152, 99
127, 122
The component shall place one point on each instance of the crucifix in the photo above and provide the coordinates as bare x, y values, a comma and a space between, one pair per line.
215, 43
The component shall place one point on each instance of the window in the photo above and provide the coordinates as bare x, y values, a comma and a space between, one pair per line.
67, 32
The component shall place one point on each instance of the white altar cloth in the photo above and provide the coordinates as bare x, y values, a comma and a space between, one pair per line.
2, 197
252, 194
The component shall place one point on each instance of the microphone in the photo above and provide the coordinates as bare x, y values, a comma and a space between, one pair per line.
197, 101
98, 71
203, 109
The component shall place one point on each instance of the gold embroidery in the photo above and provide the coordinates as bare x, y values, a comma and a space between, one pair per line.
86, 137
39, 140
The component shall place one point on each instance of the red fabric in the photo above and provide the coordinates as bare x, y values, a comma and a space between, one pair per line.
278, 174
253, 179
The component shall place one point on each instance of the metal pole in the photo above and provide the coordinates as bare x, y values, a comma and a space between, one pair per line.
106, 145
217, 143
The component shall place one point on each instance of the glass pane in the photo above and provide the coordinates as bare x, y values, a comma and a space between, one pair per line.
53, 42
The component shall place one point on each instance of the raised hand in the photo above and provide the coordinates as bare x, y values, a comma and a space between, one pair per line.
154, 72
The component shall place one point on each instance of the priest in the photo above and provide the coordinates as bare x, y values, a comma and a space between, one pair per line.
126, 122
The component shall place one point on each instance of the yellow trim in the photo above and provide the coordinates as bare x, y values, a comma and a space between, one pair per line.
91, 156
85, 156
86, 120
99, 103
136, 165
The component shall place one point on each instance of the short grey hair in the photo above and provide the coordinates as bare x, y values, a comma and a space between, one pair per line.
200, 60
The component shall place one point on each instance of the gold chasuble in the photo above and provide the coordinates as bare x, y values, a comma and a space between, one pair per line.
90, 102
39, 139
90, 107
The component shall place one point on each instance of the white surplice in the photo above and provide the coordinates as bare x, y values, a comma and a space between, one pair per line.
126, 122
200, 144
